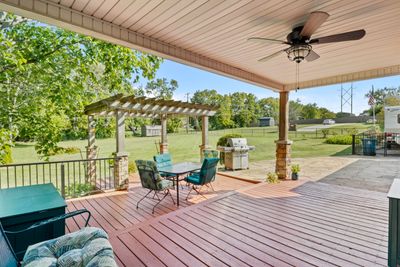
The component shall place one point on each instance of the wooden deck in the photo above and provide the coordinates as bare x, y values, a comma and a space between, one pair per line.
287, 224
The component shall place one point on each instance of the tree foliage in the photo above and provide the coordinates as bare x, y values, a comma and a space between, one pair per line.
244, 109
47, 76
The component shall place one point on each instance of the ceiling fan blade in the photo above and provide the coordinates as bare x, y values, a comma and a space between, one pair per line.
312, 56
266, 40
313, 22
341, 37
271, 56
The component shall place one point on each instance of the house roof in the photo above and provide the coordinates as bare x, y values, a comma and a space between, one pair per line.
212, 35
147, 107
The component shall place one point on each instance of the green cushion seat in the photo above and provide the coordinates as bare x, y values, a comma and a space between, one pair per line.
86, 247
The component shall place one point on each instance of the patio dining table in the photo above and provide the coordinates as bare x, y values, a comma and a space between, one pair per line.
177, 170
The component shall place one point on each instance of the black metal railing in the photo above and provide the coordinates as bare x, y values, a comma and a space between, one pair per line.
369, 144
73, 178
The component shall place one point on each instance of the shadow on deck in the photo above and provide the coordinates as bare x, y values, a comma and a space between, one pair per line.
293, 223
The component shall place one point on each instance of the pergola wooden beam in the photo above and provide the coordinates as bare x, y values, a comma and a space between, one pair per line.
147, 107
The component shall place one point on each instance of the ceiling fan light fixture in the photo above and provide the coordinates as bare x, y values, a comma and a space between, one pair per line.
298, 53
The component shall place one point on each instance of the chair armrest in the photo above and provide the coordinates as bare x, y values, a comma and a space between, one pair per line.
54, 219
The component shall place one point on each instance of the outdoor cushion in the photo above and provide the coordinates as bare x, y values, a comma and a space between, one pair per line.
149, 174
164, 184
86, 247
194, 178
163, 160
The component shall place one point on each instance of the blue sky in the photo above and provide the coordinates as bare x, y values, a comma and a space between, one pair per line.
191, 79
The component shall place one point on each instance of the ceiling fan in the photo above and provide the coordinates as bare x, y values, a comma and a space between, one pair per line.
300, 41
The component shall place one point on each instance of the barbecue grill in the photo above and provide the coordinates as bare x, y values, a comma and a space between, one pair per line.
236, 153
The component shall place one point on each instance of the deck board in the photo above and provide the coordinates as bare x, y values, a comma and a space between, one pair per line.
293, 223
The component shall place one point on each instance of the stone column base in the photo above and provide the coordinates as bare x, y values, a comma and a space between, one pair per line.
121, 173
163, 148
91, 153
203, 147
283, 160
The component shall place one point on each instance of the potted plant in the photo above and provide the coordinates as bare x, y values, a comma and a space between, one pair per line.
295, 171
272, 178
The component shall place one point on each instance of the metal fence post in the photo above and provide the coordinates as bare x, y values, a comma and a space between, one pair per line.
63, 180
353, 144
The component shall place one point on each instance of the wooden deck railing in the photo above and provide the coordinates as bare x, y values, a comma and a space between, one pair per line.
73, 178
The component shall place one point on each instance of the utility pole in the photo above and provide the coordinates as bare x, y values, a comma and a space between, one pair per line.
187, 118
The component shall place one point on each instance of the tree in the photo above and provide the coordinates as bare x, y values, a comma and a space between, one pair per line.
161, 88
47, 76
310, 111
269, 107
325, 113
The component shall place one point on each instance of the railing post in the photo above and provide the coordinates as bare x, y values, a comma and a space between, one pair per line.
353, 144
63, 180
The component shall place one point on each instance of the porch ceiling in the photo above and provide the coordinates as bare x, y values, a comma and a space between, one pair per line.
213, 34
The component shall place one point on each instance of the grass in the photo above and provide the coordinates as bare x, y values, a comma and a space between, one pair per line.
185, 147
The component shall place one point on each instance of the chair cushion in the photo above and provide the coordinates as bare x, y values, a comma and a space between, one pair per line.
86, 247
194, 178
165, 184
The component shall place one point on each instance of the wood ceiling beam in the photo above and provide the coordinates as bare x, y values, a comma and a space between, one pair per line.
349, 77
52, 13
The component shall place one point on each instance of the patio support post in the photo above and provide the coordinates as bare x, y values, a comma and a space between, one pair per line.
204, 136
121, 174
91, 151
283, 145
164, 140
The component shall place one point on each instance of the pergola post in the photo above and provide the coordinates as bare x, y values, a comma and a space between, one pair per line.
164, 140
204, 136
121, 173
283, 145
91, 151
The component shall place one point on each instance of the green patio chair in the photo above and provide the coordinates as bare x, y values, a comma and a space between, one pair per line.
86, 247
151, 179
164, 160
205, 176
210, 153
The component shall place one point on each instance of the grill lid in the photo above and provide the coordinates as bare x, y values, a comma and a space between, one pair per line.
237, 142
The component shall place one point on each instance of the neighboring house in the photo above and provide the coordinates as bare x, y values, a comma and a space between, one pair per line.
266, 121
151, 130
392, 119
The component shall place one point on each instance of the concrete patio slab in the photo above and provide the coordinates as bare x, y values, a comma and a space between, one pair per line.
370, 173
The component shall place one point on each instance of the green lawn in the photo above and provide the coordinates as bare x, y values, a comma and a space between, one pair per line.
185, 147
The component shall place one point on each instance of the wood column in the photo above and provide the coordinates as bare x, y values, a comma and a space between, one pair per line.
204, 136
121, 163
91, 151
120, 132
164, 139
283, 144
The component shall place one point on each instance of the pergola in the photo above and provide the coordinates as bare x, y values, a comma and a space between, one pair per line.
121, 107
212, 35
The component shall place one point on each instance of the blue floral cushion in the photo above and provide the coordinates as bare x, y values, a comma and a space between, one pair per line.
86, 247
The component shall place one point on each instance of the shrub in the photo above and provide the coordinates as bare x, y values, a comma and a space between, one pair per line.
339, 140
131, 167
5, 146
76, 190
295, 168
223, 141
272, 178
